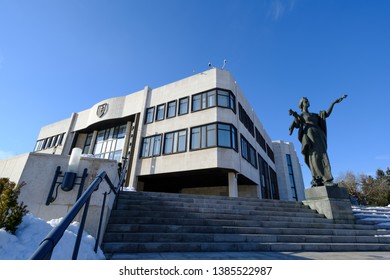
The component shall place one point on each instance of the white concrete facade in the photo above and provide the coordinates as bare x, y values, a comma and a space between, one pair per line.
289, 171
211, 160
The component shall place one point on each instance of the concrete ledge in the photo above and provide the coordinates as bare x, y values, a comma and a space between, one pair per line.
333, 202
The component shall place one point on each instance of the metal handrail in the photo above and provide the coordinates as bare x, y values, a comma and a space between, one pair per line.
46, 247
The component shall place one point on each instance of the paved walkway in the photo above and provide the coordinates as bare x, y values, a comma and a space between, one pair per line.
258, 256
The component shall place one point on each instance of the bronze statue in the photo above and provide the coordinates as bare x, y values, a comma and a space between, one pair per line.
312, 134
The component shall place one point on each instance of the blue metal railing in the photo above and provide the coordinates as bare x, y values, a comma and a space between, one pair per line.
46, 247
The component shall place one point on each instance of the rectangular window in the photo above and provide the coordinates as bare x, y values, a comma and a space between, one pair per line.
168, 143
175, 142
211, 98
224, 135
196, 102
171, 111
183, 106
195, 138
160, 112
248, 152
49, 142
223, 98
149, 115
212, 135
151, 146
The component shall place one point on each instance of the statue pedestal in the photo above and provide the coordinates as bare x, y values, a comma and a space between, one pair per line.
333, 202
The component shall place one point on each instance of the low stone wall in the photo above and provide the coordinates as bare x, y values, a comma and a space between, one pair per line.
36, 171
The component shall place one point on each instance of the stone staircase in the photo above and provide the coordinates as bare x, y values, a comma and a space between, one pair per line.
164, 222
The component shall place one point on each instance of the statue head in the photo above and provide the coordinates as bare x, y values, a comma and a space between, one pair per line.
304, 101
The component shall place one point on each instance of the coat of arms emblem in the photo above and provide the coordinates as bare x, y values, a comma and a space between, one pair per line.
102, 110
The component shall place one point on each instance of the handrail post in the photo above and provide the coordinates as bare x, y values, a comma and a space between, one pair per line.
81, 229
100, 223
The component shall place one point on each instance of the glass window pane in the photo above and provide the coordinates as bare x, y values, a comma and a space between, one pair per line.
117, 155
145, 147
171, 109
196, 102
232, 103
100, 136
211, 135
157, 145
175, 136
98, 148
160, 112
224, 135
234, 138
149, 115
122, 131
211, 98
182, 141
204, 100
183, 106
168, 143
223, 98
195, 138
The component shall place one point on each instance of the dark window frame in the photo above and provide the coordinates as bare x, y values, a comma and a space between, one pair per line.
157, 117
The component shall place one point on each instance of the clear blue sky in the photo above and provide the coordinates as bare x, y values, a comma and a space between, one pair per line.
59, 57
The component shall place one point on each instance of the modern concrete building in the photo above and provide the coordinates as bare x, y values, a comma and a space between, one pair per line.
289, 171
197, 135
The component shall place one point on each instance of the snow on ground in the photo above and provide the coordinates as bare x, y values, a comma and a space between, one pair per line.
373, 215
33, 230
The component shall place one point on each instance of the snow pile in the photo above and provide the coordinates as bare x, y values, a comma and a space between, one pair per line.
379, 216
33, 230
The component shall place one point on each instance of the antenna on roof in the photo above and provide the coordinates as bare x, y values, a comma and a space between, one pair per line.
224, 63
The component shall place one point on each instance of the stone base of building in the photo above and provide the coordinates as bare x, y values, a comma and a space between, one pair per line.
331, 201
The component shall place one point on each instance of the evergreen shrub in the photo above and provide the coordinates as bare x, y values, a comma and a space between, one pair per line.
11, 212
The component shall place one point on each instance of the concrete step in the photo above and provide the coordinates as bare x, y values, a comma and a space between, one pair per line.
263, 238
178, 228
217, 208
159, 222
207, 201
258, 216
149, 247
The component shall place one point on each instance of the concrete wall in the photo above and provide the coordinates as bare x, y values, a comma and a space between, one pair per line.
37, 170
281, 149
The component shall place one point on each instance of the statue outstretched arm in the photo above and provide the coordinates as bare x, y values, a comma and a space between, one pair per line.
338, 100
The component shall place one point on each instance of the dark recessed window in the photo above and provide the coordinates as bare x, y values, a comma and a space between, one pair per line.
149, 115
160, 112
183, 106
151, 146
171, 110
213, 135
175, 142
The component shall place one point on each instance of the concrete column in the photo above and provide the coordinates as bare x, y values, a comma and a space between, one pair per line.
233, 187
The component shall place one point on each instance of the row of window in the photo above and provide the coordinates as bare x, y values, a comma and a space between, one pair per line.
248, 152
108, 144
213, 98
201, 137
200, 101
249, 125
49, 142
246, 120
